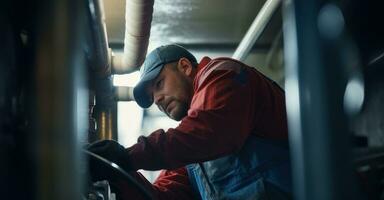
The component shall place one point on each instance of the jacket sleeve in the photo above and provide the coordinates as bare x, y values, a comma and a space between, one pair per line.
170, 185
174, 184
218, 122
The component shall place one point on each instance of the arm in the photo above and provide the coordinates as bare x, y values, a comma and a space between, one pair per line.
170, 185
174, 184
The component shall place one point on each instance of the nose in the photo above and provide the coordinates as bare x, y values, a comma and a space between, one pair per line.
158, 98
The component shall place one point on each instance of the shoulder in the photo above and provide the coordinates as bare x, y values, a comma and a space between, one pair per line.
222, 63
218, 67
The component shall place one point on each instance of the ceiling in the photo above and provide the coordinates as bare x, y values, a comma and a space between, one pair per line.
211, 28
198, 23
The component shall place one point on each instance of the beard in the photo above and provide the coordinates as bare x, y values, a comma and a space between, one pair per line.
179, 111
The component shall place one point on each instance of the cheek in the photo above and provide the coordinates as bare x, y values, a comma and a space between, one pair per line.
184, 92
179, 89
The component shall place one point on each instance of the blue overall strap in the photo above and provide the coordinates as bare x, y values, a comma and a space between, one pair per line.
262, 164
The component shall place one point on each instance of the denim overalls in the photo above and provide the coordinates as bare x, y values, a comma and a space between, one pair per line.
260, 170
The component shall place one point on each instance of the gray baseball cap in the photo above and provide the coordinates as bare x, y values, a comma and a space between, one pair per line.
152, 67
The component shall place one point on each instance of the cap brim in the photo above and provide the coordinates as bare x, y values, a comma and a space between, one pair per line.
143, 98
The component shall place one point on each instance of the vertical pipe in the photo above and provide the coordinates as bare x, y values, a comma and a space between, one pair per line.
105, 110
105, 128
60, 105
8, 171
319, 139
100, 59
101, 74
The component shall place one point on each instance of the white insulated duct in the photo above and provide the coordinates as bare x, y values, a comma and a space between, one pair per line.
138, 18
124, 93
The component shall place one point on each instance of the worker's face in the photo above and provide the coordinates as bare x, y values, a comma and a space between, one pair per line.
173, 90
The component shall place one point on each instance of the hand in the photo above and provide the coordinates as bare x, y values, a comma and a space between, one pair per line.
111, 151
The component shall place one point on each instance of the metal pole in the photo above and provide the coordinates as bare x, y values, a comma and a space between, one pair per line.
60, 105
99, 49
105, 110
318, 134
256, 28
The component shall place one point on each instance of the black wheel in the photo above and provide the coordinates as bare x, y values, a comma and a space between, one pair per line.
114, 172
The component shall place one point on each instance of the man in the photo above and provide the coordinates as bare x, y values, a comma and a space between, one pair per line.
231, 142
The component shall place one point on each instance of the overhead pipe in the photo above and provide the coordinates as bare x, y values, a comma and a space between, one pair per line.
257, 27
138, 18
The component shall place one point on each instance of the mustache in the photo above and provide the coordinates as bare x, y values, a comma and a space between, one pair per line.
163, 105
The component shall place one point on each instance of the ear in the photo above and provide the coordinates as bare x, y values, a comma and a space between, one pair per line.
185, 66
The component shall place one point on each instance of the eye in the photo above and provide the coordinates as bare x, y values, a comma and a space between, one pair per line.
159, 83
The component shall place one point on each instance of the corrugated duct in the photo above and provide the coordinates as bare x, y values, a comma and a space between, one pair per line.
138, 18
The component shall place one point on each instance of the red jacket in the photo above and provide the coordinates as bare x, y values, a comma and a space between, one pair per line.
230, 102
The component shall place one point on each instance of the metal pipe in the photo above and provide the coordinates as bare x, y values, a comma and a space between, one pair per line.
105, 125
99, 50
124, 93
257, 27
60, 103
100, 61
105, 110
10, 172
318, 134
138, 20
